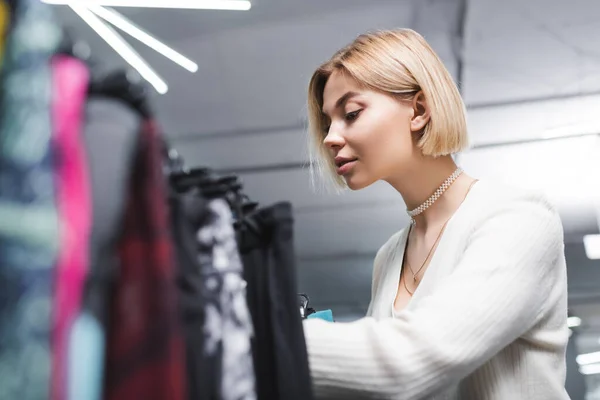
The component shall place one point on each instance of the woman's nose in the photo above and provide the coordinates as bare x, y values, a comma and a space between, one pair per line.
333, 140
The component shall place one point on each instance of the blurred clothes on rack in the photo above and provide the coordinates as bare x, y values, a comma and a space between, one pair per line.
145, 353
5, 14
227, 324
279, 347
111, 132
187, 214
29, 230
121, 275
265, 241
213, 305
70, 81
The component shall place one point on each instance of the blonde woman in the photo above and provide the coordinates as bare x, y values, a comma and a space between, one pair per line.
470, 300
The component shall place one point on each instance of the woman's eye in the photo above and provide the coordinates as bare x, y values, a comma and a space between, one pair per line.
351, 116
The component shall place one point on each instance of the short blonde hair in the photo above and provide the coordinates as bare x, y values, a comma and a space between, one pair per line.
401, 63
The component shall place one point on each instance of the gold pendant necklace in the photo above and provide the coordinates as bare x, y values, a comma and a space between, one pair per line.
429, 254
439, 236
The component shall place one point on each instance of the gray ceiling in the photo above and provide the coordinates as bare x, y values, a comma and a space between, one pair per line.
530, 72
196, 23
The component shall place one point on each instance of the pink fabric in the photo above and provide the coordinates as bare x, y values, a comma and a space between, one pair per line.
70, 83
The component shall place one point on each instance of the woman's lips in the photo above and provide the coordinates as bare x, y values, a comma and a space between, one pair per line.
346, 167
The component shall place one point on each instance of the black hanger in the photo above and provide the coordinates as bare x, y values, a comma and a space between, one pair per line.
248, 206
172, 160
303, 302
210, 186
124, 84
242, 207
226, 187
184, 180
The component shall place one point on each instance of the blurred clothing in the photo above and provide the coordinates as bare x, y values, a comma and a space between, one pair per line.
279, 348
145, 348
29, 231
70, 78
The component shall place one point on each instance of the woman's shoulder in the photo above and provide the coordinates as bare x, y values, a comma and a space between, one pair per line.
493, 197
503, 208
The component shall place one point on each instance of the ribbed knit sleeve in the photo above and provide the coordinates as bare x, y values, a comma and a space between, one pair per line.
496, 293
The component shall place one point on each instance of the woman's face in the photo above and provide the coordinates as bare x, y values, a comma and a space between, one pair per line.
370, 133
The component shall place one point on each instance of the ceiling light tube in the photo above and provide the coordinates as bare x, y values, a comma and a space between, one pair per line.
593, 369
115, 41
138, 33
573, 322
591, 244
589, 358
233, 5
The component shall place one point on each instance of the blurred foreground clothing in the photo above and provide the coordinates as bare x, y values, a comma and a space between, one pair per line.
227, 325
70, 78
279, 348
111, 132
145, 353
29, 229
115, 282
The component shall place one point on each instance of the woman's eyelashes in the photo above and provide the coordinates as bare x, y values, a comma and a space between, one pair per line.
348, 117
352, 116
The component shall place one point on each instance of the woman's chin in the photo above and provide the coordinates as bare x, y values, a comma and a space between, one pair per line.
354, 183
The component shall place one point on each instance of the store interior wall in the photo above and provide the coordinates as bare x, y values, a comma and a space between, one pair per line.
530, 78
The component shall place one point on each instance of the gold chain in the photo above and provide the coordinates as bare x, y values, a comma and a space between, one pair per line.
432, 247
415, 274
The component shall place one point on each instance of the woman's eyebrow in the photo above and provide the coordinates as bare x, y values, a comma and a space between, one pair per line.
342, 100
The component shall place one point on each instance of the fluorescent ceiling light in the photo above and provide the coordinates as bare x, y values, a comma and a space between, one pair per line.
573, 322
122, 47
592, 246
130, 28
589, 358
593, 369
236, 5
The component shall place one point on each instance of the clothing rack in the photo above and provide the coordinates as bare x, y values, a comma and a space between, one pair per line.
180, 287
265, 244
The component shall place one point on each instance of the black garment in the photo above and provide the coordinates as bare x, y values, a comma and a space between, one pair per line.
279, 347
212, 300
188, 213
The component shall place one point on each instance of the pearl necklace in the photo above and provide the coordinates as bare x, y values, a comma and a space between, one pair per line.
438, 193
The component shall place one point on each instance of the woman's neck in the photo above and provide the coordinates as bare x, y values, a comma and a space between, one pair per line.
418, 184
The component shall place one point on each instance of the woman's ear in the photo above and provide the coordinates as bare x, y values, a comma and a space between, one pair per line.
421, 113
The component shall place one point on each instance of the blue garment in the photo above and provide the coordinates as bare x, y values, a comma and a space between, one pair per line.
327, 315
86, 359
29, 229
